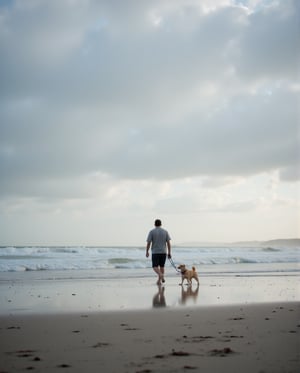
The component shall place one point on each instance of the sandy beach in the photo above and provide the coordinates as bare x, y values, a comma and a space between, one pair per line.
251, 338
228, 324
82, 322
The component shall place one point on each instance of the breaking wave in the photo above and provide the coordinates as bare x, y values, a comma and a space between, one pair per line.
90, 258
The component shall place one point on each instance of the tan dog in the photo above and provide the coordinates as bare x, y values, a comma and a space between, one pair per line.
188, 274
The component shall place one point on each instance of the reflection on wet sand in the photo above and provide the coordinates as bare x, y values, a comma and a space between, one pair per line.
189, 294
159, 299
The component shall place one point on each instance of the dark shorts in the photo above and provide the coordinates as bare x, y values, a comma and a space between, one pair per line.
159, 260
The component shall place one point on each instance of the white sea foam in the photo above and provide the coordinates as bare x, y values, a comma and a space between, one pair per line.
13, 259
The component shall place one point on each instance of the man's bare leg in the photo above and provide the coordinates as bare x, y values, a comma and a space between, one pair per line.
162, 271
159, 274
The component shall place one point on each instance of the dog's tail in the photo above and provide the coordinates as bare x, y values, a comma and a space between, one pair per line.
194, 269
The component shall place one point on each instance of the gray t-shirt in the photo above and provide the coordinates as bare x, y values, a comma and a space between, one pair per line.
158, 237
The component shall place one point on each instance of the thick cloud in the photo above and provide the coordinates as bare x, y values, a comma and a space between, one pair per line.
145, 90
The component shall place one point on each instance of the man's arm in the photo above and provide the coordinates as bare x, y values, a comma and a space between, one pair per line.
148, 248
169, 248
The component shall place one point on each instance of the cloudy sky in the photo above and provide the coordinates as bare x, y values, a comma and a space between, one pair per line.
114, 113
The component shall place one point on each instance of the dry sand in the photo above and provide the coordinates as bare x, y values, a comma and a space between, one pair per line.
262, 338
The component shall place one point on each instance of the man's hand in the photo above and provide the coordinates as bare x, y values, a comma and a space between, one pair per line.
147, 254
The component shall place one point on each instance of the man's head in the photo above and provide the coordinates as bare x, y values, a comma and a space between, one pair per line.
157, 223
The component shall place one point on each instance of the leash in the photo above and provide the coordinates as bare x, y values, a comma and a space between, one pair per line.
173, 265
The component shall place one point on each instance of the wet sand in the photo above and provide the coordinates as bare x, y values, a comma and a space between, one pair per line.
24, 293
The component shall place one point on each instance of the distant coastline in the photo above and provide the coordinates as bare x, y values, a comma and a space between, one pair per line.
276, 243
280, 242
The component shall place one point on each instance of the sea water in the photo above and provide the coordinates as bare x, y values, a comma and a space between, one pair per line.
128, 261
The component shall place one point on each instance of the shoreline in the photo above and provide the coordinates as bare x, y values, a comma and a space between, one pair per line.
250, 338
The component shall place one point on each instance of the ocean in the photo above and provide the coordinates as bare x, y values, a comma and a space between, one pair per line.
131, 261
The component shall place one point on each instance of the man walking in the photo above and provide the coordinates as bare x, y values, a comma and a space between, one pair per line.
159, 241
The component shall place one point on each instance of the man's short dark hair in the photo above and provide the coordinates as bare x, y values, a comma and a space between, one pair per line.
157, 223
